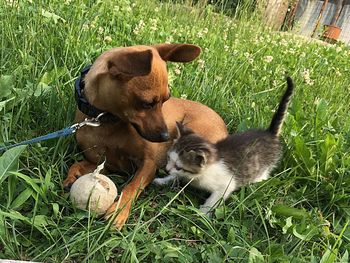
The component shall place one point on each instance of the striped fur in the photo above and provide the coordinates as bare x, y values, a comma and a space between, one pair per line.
278, 117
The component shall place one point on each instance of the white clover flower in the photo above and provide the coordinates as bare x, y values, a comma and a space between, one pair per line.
11, 3
183, 96
85, 27
226, 47
218, 78
169, 40
306, 73
268, 59
107, 39
93, 24
100, 30
153, 23
201, 63
177, 70
206, 50
139, 27
336, 71
235, 52
249, 57
116, 8
306, 76
247, 54
199, 34
284, 42
156, 9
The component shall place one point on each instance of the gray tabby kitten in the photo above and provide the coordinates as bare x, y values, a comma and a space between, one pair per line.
233, 162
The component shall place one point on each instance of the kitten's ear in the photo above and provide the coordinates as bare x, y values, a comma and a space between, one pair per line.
199, 158
182, 130
179, 130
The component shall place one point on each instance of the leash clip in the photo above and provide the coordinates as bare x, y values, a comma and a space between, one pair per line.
93, 122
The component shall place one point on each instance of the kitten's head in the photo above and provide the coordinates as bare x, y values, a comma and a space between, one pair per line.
190, 153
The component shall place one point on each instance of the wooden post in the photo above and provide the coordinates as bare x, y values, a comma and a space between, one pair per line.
275, 13
292, 15
337, 12
319, 17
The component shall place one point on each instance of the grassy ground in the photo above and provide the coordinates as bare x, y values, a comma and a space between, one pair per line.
301, 214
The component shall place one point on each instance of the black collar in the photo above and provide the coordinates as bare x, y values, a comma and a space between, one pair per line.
84, 106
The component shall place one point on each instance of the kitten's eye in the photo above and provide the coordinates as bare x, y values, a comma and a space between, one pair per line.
177, 167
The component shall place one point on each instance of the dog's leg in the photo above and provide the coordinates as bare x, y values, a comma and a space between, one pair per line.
76, 170
143, 177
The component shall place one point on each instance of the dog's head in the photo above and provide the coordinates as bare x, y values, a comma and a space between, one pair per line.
132, 83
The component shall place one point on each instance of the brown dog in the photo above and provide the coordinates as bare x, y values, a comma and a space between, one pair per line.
131, 83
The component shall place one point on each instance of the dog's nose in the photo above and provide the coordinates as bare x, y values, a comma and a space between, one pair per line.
164, 136
67, 188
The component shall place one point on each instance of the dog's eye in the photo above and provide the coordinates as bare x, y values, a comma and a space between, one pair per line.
147, 105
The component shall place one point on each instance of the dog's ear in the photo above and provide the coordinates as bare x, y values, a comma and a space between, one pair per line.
131, 64
178, 52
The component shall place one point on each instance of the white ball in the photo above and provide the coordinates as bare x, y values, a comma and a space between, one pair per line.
94, 192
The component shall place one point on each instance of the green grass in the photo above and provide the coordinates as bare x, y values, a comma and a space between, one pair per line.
301, 214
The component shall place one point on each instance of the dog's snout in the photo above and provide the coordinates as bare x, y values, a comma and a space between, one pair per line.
164, 135
67, 188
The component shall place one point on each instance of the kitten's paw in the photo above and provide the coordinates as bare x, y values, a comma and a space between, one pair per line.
206, 210
160, 181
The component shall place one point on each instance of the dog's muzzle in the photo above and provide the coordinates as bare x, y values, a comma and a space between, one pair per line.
163, 136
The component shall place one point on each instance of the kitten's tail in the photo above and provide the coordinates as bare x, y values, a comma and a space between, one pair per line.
278, 117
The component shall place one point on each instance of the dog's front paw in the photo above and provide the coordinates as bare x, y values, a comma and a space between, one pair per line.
118, 216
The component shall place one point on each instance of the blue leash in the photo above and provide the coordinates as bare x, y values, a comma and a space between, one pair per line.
94, 122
